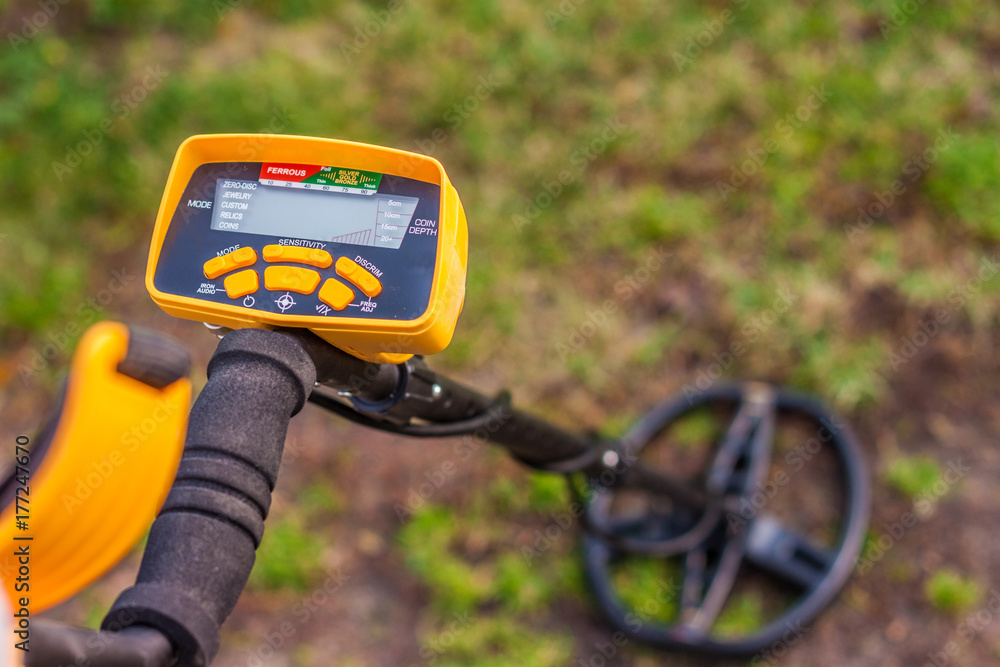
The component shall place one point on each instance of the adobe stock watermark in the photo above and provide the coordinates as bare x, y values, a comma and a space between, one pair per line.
912, 170
249, 149
420, 495
661, 598
140, 431
34, 22
626, 288
87, 313
706, 36
923, 506
121, 108
773, 654
433, 649
225, 6
784, 128
98, 643
796, 460
901, 14
565, 9
456, 115
927, 329
970, 627
547, 537
579, 161
614, 469
366, 32
751, 330
302, 611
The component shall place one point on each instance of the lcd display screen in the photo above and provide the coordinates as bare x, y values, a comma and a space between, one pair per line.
318, 214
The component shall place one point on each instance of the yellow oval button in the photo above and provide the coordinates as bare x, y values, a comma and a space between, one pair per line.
291, 279
311, 256
360, 276
336, 294
242, 283
237, 259
244, 255
215, 267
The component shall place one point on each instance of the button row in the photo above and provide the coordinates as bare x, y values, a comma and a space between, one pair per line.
294, 279
334, 293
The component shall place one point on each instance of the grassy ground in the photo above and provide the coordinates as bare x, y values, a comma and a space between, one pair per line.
658, 194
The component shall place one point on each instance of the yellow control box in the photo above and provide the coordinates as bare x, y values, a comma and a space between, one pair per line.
365, 246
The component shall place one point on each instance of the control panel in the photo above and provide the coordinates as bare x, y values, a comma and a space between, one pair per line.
366, 246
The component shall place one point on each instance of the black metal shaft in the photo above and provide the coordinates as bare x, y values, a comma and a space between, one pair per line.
56, 644
411, 390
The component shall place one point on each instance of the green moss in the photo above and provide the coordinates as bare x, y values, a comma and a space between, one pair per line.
548, 493
962, 182
319, 498
913, 476
427, 543
649, 587
434, 544
289, 557
698, 430
741, 616
950, 592
497, 642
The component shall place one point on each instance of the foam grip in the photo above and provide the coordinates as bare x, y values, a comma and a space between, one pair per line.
202, 545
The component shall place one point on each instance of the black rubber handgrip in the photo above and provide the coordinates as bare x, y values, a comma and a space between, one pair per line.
202, 545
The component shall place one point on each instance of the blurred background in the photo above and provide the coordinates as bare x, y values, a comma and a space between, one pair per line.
801, 192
